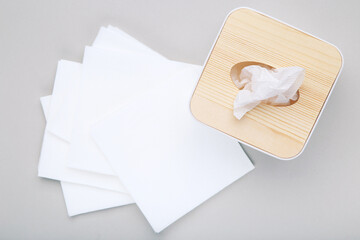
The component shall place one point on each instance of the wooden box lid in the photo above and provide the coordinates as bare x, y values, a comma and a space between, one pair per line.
248, 35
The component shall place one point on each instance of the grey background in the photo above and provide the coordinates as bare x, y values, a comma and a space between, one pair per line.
316, 196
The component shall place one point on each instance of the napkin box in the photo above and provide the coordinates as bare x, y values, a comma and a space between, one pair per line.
250, 37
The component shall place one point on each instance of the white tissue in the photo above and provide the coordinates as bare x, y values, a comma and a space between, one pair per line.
272, 86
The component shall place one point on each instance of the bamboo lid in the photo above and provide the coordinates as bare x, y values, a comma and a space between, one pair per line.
250, 36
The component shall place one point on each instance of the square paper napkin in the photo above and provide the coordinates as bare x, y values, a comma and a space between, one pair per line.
120, 130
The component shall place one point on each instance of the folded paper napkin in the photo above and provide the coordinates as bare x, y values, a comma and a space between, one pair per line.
271, 86
107, 153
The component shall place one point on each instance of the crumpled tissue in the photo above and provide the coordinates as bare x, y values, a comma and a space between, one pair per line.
271, 86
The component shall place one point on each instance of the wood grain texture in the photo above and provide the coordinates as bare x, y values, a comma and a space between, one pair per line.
251, 36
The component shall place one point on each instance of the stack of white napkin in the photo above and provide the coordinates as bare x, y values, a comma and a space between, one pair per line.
120, 131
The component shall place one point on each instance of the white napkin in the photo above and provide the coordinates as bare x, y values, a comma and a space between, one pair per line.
273, 86
82, 199
169, 162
